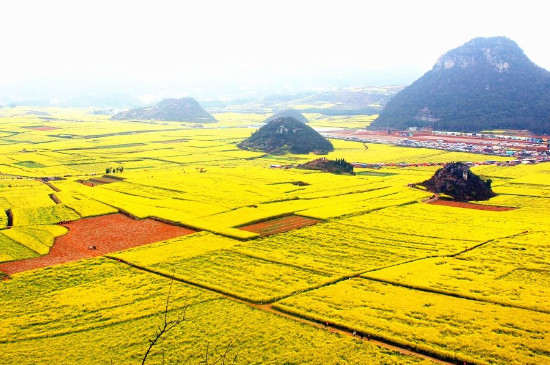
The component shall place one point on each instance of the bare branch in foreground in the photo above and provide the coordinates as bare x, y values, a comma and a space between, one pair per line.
166, 326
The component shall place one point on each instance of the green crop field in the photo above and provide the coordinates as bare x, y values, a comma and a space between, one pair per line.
410, 278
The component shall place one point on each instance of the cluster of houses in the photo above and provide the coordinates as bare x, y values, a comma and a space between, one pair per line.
522, 148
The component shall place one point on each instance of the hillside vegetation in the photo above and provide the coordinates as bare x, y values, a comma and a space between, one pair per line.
456, 179
284, 135
486, 84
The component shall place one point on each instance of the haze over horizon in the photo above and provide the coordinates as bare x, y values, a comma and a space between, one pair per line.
59, 50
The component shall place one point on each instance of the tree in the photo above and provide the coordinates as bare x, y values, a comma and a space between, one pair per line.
170, 324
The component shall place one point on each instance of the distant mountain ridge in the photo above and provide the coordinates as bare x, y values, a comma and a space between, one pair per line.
179, 110
345, 101
485, 84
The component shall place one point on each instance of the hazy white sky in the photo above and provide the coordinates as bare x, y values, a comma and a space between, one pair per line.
249, 42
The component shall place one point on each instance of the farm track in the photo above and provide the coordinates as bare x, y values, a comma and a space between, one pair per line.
379, 341
55, 199
49, 184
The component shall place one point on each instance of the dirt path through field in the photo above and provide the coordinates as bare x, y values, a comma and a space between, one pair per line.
108, 233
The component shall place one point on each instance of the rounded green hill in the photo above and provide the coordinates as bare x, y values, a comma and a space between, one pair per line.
286, 135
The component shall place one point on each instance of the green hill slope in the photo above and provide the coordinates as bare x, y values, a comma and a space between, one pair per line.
488, 83
284, 135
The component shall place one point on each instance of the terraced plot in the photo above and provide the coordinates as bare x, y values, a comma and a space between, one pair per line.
279, 225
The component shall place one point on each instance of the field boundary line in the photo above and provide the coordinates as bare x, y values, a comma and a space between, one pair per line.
344, 194
451, 294
50, 185
380, 341
105, 325
185, 281
377, 339
487, 242
324, 273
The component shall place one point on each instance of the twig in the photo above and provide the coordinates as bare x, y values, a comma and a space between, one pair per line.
166, 326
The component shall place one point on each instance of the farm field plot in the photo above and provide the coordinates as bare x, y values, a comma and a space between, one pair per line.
99, 310
95, 236
81, 288
487, 207
25, 193
513, 271
328, 248
30, 216
225, 271
454, 328
11, 250
36, 238
279, 225
84, 206
458, 228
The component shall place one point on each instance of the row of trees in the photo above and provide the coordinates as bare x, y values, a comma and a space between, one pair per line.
112, 170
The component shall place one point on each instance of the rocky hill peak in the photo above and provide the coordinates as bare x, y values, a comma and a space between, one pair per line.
456, 180
485, 84
499, 53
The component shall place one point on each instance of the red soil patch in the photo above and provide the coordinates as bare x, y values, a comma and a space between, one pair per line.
450, 203
280, 225
174, 141
99, 181
43, 128
108, 233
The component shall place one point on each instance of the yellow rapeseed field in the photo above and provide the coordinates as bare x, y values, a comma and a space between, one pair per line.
101, 311
456, 283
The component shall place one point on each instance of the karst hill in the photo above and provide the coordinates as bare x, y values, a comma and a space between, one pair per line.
486, 84
178, 110
286, 135
456, 180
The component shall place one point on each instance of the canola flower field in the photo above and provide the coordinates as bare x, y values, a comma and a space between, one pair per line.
460, 285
